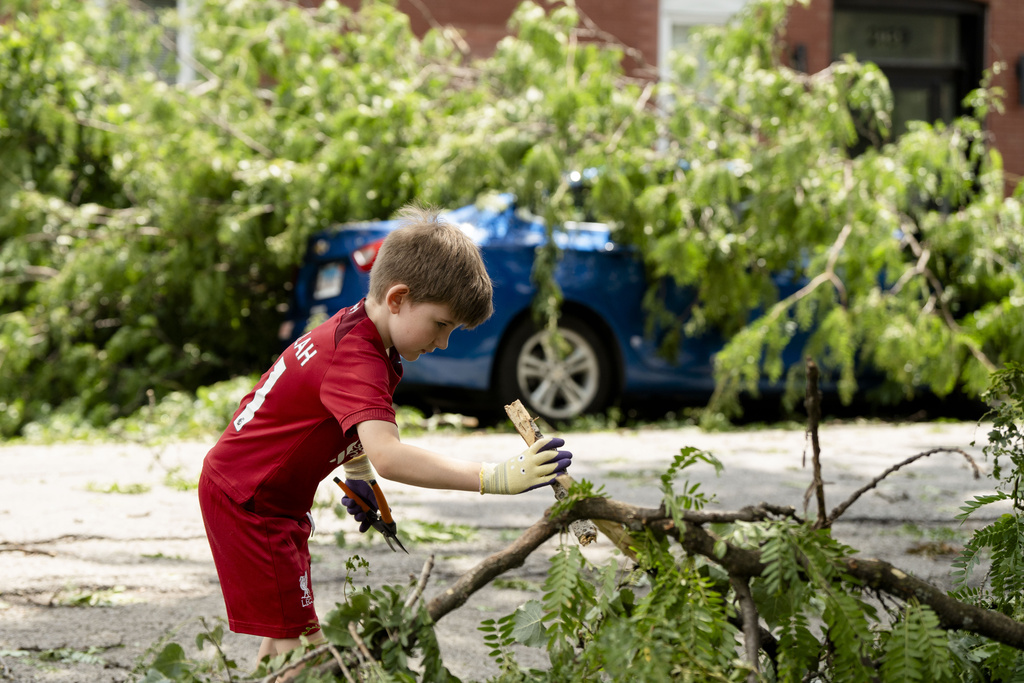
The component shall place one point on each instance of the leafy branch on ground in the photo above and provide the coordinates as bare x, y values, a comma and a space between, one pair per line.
756, 594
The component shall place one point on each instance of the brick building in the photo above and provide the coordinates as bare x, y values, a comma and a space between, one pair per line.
483, 24
933, 51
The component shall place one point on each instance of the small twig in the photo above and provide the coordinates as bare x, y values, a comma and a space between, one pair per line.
428, 566
341, 663
246, 139
449, 32
220, 652
921, 268
638, 106
302, 661
25, 550
570, 59
360, 644
589, 29
751, 624
813, 403
841, 508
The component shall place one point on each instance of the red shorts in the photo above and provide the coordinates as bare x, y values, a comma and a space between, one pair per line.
263, 565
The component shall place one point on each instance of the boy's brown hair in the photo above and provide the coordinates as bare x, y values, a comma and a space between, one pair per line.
438, 262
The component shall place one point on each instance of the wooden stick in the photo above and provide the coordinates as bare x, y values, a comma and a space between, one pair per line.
585, 530
813, 403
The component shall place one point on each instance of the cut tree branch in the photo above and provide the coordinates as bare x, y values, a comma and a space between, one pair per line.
737, 561
741, 564
584, 530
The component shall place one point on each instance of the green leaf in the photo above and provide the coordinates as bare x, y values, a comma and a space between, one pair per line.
529, 624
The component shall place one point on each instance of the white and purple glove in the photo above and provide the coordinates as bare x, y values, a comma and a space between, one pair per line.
537, 466
358, 475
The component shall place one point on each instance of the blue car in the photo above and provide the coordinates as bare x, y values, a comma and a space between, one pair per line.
606, 355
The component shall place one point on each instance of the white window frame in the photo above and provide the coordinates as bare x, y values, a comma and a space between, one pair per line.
185, 40
690, 13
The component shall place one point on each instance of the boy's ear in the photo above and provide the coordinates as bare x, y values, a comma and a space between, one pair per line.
395, 297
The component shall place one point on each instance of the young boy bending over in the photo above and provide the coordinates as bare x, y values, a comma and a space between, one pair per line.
326, 402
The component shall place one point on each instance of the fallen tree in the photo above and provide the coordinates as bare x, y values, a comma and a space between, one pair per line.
759, 593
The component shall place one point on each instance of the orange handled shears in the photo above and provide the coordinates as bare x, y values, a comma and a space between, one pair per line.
382, 521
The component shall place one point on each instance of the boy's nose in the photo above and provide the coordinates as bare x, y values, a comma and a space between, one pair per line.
442, 341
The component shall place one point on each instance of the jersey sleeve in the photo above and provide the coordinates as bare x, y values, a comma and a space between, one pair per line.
361, 388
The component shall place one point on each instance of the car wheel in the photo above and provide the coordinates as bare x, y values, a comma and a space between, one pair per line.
557, 381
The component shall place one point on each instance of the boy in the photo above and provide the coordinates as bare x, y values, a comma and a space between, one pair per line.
327, 401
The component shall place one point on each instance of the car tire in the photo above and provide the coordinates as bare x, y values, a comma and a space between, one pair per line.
556, 386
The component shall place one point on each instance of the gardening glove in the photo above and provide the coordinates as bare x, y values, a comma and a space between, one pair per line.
358, 473
537, 466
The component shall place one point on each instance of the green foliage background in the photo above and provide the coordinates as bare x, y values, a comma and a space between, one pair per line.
149, 231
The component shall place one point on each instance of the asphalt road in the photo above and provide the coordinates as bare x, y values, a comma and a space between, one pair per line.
101, 552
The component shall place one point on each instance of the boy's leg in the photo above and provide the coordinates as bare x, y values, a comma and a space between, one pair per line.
278, 646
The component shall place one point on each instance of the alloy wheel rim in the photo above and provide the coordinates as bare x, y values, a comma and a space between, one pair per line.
558, 382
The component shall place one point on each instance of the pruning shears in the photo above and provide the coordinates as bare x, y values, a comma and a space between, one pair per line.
380, 520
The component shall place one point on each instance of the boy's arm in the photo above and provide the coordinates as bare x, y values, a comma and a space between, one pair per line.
413, 465
536, 466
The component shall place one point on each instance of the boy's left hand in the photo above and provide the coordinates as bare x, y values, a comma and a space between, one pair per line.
537, 466
362, 489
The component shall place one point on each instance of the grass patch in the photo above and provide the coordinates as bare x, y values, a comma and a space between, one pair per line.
509, 535
61, 655
102, 597
630, 475
161, 556
415, 531
127, 489
412, 531
174, 480
517, 584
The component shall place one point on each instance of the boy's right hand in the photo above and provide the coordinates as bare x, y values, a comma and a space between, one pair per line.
537, 466
362, 489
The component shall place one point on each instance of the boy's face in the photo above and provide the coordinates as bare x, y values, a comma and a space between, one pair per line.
421, 328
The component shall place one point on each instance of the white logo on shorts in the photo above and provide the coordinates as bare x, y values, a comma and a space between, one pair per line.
307, 597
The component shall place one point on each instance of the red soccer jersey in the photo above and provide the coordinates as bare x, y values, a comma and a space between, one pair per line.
298, 423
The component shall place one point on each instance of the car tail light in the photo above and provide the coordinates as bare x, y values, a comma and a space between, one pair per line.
364, 257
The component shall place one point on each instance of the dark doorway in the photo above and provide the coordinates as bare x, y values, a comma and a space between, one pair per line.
930, 50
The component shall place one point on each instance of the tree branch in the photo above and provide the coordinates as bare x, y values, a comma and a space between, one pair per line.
428, 566
841, 508
738, 562
449, 32
638, 106
813, 403
493, 566
921, 268
741, 564
877, 574
751, 625
952, 613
